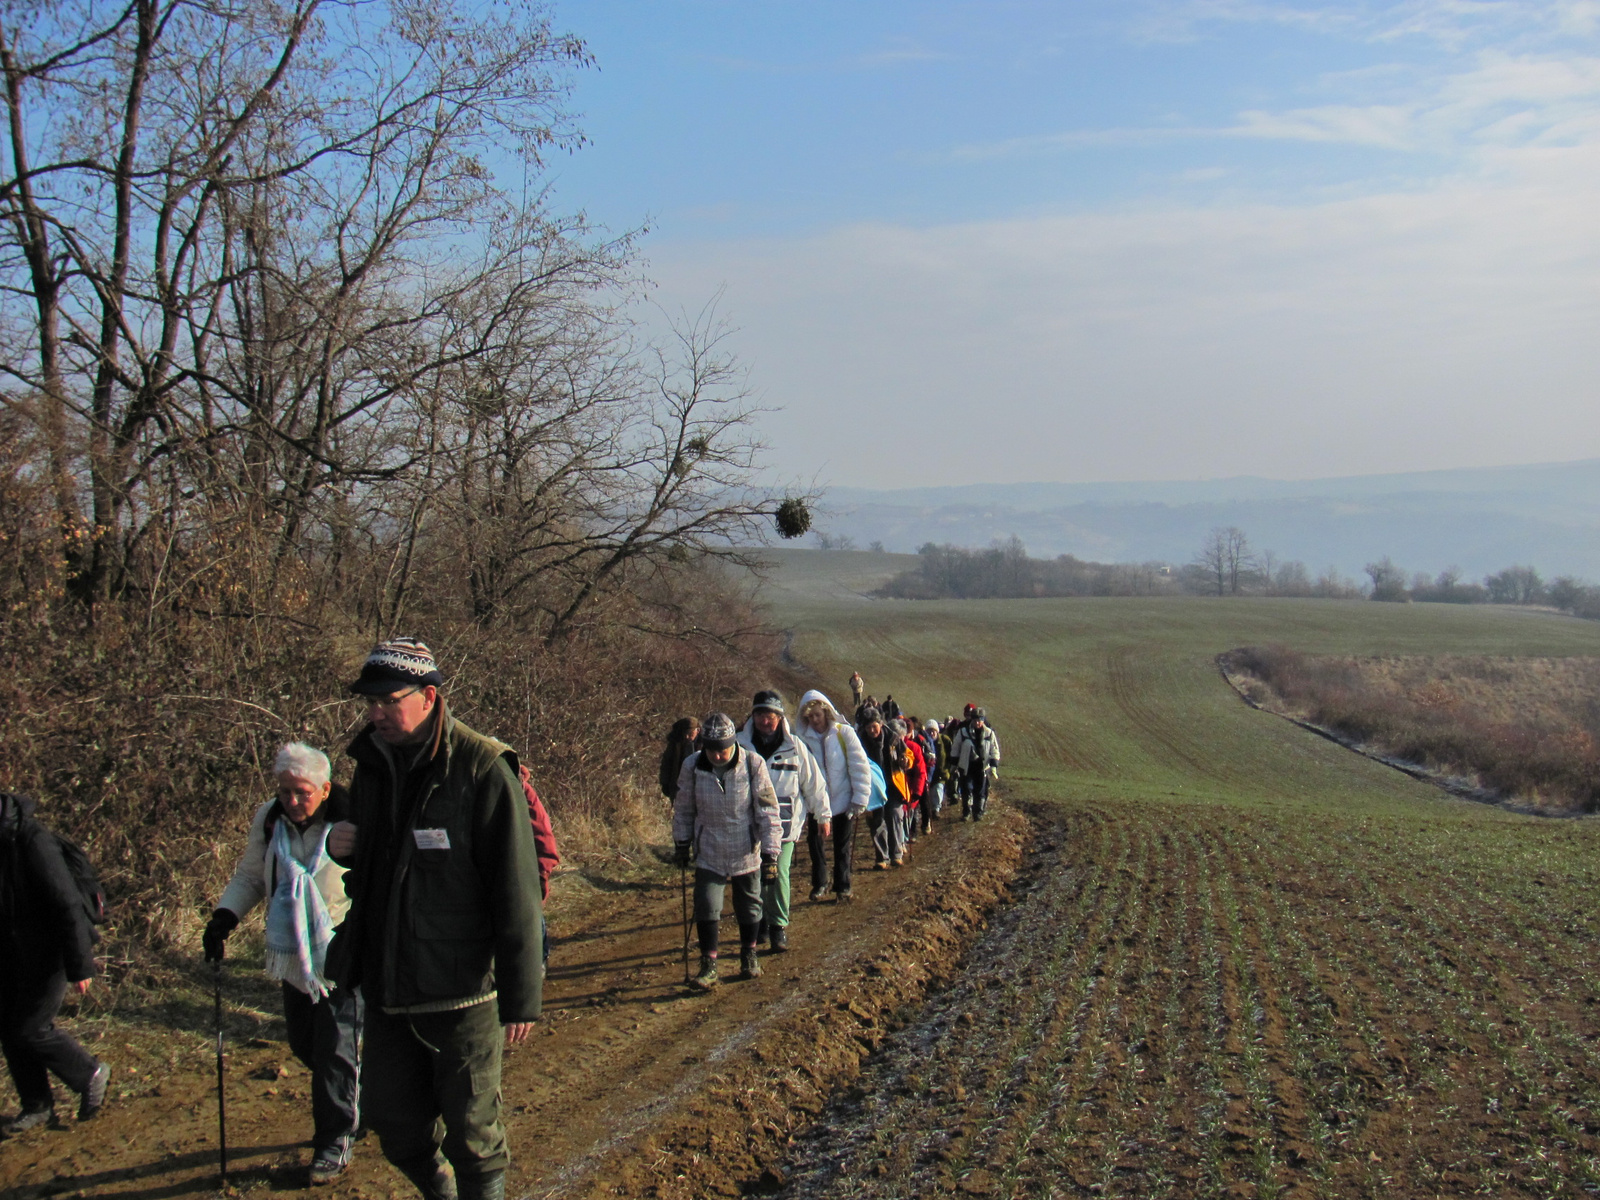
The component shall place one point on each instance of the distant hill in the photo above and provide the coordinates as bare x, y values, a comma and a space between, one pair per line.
1479, 520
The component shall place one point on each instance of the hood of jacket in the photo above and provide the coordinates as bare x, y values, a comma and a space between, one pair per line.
814, 694
13, 807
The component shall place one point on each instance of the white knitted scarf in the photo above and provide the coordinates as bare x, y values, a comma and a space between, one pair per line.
298, 928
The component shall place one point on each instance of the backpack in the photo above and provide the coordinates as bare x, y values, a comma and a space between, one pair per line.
880, 790
90, 894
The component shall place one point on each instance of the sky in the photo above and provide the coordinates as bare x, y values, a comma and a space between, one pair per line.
1097, 240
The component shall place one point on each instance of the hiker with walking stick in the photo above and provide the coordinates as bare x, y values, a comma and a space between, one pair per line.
287, 865
726, 815
848, 776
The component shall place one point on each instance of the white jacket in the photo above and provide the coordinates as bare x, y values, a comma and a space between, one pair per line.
252, 877
795, 776
844, 762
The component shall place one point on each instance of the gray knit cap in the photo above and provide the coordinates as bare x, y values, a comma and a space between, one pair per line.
717, 731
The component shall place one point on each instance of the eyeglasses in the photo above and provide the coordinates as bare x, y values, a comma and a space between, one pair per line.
390, 703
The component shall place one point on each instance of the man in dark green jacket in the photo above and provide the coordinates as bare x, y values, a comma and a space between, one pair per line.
443, 933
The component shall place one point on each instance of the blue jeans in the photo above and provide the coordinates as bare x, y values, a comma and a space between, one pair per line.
326, 1036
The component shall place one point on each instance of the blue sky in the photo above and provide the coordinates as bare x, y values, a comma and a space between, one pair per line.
1064, 241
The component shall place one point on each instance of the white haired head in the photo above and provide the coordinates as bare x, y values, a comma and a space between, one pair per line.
303, 762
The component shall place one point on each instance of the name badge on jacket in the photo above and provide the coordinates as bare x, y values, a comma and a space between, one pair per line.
432, 839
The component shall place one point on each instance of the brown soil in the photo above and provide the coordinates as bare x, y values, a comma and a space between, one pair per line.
1196, 1001
632, 1084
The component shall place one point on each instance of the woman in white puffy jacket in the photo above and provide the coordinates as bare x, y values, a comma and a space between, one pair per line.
835, 746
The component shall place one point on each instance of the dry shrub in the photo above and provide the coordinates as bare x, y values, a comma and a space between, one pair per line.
1452, 714
149, 740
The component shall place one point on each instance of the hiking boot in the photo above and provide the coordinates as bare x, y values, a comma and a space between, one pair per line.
749, 964
817, 894
433, 1177
491, 1186
843, 897
28, 1118
780, 938
329, 1162
707, 979
880, 865
93, 1097
898, 863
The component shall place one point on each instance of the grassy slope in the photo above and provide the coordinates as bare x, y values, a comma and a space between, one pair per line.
1449, 939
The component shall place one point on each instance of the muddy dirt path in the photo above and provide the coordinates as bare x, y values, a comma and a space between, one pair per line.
631, 1085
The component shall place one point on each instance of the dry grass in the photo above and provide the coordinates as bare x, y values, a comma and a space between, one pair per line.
1525, 728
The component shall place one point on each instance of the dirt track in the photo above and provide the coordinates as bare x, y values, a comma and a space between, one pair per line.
631, 1085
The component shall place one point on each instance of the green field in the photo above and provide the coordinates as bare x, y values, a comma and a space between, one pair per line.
1253, 963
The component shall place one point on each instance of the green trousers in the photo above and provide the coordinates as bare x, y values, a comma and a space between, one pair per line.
432, 1081
775, 896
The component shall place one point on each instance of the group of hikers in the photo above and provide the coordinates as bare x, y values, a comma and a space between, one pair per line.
744, 796
404, 914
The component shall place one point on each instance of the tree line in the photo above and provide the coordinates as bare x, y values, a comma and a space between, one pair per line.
1225, 565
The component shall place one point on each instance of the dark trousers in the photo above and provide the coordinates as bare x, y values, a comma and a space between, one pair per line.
844, 846
33, 1046
816, 846
708, 892
427, 1072
326, 1036
975, 792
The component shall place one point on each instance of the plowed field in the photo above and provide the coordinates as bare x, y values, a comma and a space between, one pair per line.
1241, 961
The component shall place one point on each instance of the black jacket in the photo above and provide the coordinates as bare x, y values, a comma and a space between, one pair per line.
43, 927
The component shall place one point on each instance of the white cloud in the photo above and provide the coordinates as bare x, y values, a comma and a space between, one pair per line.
1427, 329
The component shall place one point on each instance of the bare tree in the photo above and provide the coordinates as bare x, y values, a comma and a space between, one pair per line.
1225, 559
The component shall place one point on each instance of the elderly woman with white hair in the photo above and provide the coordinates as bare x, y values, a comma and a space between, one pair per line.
286, 863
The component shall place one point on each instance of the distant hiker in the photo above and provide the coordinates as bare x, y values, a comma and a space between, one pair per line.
443, 934
976, 750
725, 819
835, 745
46, 945
286, 863
680, 745
891, 709
938, 743
858, 689
802, 792
887, 823
916, 779
869, 702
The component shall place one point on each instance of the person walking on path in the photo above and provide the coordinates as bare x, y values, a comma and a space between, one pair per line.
938, 744
976, 750
46, 946
443, 933
286, 863
887, 823
858, 690
725, 817
916, 780
680, 744
836, 746
802, 794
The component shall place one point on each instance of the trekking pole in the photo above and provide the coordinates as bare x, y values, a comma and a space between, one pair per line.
683, 879
222, 1100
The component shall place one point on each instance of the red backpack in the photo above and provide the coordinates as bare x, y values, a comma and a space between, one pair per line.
544, 837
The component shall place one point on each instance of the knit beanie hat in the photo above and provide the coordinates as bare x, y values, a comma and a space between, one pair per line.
869, 714
716, 731
395, 665
768, 700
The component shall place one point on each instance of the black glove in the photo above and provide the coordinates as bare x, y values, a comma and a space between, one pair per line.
769, 870
222, 923
681, 854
